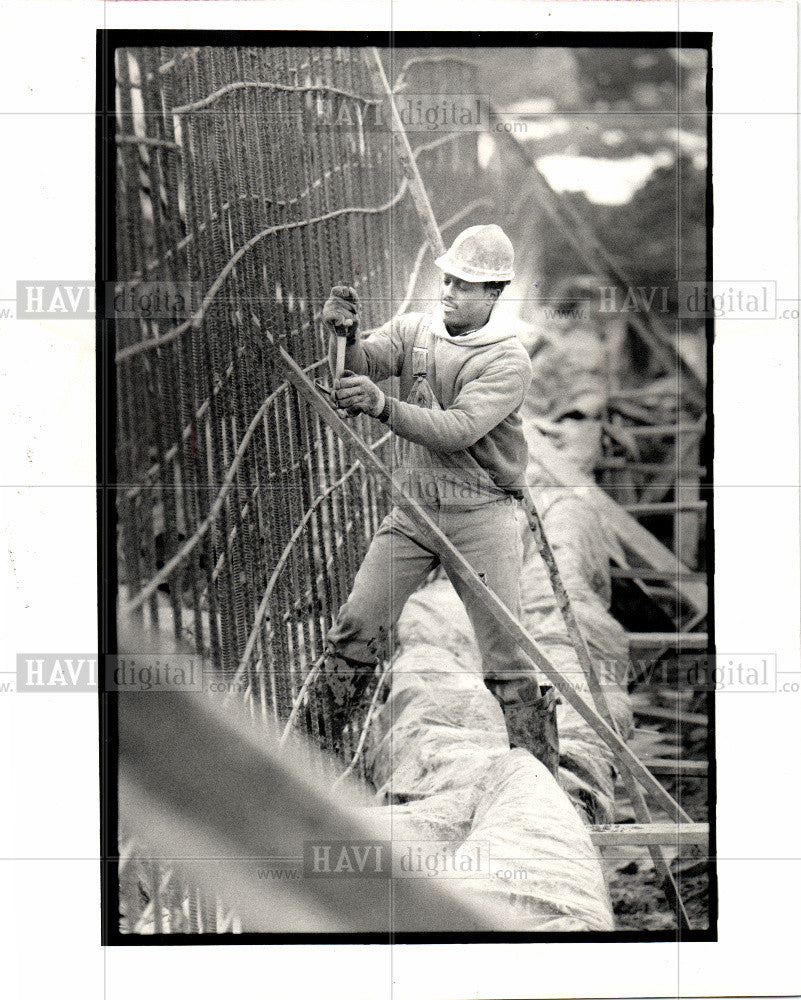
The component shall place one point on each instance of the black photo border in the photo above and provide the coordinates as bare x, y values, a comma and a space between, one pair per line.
107, 41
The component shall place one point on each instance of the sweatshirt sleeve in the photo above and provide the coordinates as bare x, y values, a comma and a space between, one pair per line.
383, 349
482, 404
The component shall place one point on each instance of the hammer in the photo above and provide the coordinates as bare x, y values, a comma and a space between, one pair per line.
341, 329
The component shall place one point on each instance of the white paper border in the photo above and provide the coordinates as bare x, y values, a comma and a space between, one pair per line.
47, 82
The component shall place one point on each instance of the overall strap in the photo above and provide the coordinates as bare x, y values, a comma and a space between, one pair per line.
422, 352
424, 369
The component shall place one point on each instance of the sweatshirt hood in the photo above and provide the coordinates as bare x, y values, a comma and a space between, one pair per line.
496, 329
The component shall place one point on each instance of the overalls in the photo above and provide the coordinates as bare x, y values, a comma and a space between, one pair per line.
476, 516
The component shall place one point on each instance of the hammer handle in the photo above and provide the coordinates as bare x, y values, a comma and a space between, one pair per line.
342, 344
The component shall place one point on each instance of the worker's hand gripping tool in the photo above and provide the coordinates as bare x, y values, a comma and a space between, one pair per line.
340, 317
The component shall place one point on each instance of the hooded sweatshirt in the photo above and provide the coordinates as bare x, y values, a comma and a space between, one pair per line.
461, 423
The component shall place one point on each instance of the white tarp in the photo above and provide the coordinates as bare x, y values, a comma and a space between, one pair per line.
441, 758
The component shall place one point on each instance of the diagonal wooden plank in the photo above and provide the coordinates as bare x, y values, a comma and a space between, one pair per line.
641, 811
455, 562
409, 162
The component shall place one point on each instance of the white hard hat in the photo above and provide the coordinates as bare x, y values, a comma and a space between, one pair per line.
480, 253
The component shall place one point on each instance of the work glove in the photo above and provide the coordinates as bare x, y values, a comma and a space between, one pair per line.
341, 311
357, 394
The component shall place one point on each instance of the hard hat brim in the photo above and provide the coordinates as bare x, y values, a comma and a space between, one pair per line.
476, 276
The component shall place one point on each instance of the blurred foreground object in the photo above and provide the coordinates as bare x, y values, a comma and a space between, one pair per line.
218, 798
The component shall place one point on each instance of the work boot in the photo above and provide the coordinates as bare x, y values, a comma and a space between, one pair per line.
529, 711
338, 690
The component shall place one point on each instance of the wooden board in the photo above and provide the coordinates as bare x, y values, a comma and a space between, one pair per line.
646, 834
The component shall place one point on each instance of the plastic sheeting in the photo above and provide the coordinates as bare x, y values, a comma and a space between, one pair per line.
440, 756
543, 864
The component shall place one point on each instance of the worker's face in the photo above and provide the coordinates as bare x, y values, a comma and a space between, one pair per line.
466, 305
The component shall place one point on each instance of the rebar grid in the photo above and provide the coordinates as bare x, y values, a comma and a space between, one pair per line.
262, 177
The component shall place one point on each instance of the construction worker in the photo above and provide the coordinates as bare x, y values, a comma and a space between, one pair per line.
463, 456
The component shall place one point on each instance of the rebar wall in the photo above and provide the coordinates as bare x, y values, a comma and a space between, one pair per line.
250, 180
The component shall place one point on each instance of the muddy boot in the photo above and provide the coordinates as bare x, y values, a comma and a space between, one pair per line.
529, 711
340, 685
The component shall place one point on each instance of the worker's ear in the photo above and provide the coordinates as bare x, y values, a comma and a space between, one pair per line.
492, 294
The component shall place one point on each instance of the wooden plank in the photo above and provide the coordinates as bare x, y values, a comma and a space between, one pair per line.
676, 768
649, 834
686, 527
624, 464
698, 506
646, 574
627, 530
660, 430
456, 563
655, 640
679, 718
